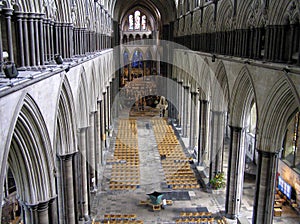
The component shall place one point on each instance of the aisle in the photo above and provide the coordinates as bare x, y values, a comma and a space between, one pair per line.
151, 171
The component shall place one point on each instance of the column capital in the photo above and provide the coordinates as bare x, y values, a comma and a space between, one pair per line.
32, 15
217, 112
266, 154
186, 87
236, 129
204, 101
67, 156
81, 129
19, 14
7, 11
195, 93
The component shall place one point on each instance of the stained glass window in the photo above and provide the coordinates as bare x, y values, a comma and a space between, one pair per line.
143, 22
137, 20
130, 22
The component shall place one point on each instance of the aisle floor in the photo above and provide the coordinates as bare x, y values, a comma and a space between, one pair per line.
106, 201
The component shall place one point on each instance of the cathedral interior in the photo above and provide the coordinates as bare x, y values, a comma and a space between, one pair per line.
149, 111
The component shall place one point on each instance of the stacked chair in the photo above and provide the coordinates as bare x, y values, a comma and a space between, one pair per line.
125, 174
176, 166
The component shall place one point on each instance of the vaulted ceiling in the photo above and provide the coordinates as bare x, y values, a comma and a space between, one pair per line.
163, 10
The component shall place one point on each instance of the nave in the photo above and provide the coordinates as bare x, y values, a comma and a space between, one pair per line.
121, 202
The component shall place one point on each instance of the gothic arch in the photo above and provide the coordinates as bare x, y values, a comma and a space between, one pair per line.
246, 9
93, 89
208, 20
30, 155
281, 10
243, 94
224, 15
65, 137
82, 101
280, 105
220, 90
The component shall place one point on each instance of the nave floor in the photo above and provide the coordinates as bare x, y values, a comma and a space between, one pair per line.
152, 178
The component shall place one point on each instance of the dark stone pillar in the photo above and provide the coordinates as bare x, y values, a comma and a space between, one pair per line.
265, 187
216, 142
20, 42
202, 140
235, 174
290, 43
37, 40
67, 190
84, 179
186, 111
32, 42
7, 14
194, 120
42, 39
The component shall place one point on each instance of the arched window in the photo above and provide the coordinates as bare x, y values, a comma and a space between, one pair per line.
144, 22
130, 22
137, 59
137, 22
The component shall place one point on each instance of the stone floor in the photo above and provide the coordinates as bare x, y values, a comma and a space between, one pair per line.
152, 179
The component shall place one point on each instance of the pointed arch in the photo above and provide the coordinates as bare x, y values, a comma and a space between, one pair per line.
224, 15
82, 102
279, 107
220, 89
30, 155
243, 94
65, 136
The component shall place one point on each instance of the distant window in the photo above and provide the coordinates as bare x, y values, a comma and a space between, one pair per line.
130, 22
137, 20
143, 22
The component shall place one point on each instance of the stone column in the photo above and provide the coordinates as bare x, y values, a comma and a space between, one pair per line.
194, 120
84, 184
235, 174
42, 38
8, 13
53, 218
46, 38
37, 213
52, 40
42, 210
32, 42
180, 104
202, 139
37, 40
291, 45
67, 190
265, 187
216, 142
186, 112
92, 146
21, 54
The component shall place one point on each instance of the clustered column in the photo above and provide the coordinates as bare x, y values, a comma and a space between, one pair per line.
84, 212
202, 139
38, 213
265, 187
186, 111
194, 120
216, 142
66, 186
235, 174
